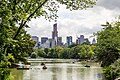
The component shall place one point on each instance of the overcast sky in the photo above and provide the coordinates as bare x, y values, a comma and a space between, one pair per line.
76, 23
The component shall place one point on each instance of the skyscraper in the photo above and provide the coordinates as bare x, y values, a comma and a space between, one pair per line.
59, 41
69, 40
54, 32
81, 39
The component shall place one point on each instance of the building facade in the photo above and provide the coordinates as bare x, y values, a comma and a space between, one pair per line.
54, 32
43, 39
86, 41
69, 40
60, 41
36, 39
81, 39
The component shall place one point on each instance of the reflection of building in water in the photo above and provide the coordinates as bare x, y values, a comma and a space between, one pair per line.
61, 71
64, 73
74, 74
26, 75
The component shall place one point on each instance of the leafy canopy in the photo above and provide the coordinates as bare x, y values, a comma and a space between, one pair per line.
108, 41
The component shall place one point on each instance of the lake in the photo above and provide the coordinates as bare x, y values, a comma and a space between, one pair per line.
59, 69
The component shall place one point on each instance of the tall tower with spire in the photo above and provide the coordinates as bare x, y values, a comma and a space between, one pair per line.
54, 32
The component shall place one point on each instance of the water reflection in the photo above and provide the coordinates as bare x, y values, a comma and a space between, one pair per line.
63, 71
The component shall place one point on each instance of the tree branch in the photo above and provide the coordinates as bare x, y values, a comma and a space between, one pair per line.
24, 22
29, 6
14, 2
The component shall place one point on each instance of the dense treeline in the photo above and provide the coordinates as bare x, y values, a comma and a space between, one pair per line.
76, 52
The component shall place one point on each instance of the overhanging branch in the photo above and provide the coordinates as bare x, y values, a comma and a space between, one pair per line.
24, 22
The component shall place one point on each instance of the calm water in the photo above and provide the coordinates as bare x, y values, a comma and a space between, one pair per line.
60, 71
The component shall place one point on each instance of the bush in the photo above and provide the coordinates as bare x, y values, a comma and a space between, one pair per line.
113, 71
33, 55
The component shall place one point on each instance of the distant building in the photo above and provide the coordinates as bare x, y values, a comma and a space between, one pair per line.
43, 39
36, 39
93, 41
86, 41
69, 40
39, 45
54, 32
55, 39
78, 41
52, 43
46, 44
50, 40
65, 45
59, 41
81, 39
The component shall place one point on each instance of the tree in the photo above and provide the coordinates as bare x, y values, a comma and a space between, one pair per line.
14, 15
113, 71
46, 50
13, 51
65, 53
74, 52
41, 52
33, 55
86, 52
108, 42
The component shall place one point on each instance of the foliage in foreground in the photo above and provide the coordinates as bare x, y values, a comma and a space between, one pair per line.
5, 74
108, 41
113, 71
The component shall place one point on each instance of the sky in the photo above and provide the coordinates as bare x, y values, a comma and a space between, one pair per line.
76, 23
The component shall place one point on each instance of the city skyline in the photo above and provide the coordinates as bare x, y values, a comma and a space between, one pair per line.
56, 40
55, 36
75, 23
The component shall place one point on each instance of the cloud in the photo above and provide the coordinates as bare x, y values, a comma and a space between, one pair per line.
75, 23
39, 27
109, 4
